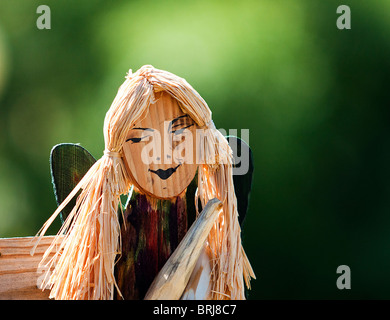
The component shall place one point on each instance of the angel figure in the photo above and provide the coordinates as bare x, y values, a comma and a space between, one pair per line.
164, 153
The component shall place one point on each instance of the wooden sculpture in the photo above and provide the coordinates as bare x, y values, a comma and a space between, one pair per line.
158, 136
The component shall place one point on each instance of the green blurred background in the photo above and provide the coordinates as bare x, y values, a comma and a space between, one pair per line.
315, 98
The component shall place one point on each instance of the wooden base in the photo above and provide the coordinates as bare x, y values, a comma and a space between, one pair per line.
19, 273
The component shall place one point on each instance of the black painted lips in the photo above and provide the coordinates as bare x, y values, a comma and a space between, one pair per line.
165, 174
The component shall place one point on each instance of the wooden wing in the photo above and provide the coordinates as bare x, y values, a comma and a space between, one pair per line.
243, 166
69, 162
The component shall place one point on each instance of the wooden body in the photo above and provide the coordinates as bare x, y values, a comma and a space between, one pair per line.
172, 280
150, 232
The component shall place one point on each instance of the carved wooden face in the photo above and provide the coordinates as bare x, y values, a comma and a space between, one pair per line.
160, 149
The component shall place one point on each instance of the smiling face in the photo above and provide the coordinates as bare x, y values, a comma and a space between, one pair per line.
160, 149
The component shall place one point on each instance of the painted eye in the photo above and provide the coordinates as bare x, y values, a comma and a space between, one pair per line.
136, 140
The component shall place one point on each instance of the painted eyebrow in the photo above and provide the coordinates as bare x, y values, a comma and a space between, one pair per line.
182, 129
175, 120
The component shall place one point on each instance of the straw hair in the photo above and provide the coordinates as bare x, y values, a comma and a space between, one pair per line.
88, 243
